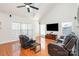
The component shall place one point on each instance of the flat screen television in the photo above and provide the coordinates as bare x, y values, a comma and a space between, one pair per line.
52, 27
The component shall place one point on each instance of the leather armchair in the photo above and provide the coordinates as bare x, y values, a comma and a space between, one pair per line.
55, 50
25, 41
65, 49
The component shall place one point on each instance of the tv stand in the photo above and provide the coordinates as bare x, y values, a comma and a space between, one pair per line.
51, 36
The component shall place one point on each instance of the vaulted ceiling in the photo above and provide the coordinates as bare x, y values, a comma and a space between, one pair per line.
10, 8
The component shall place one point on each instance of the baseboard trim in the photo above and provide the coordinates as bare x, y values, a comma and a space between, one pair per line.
8, 41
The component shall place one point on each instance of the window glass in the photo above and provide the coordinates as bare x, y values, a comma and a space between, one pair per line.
24, 26
29, 26
16, 26
66, 28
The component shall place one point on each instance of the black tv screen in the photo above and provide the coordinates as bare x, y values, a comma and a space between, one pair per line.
52, 27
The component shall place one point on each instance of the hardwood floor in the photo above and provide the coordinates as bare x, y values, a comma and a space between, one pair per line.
14, 49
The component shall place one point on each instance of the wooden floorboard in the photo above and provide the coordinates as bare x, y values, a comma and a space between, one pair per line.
14, 49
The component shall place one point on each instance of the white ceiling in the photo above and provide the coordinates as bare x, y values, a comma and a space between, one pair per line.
11, 8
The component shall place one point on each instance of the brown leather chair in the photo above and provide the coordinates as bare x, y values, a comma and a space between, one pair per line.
25, 41
65, 49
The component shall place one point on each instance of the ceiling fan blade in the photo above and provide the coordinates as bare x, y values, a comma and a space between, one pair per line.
28, 9
34, 7
20, 6
27, 3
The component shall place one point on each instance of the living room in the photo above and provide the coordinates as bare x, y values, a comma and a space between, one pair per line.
14, 21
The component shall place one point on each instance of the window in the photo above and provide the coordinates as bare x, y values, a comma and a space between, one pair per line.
29, 26
16, 26
43, 29
67, 24
66, 28
23, 28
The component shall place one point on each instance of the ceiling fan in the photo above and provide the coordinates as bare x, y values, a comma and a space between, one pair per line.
28, 6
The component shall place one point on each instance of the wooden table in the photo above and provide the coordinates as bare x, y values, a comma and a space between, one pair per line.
51, 36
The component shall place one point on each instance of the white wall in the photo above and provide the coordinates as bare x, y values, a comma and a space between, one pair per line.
6, 32
61, 13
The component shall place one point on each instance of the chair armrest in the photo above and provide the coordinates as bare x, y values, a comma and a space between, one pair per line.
29, 41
